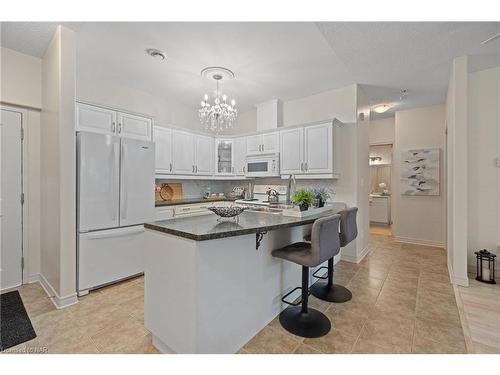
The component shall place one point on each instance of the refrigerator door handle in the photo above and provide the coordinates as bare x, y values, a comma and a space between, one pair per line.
115, 233
113, 176
124, 195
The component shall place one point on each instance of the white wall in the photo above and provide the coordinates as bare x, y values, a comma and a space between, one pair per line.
21, 79
382, 131
58, 157
457, 169
419, 219
483, 174
107, 93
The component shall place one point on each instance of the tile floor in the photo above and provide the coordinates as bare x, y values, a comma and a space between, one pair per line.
403, 303
383, 230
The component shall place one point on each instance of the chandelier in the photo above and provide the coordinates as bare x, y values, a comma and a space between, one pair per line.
220, 115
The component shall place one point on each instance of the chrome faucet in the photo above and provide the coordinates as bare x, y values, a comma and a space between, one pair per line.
289, 190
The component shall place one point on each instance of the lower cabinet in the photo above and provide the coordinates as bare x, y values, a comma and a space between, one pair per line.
380, 210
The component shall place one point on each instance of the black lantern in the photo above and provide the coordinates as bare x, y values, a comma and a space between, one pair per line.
485, 266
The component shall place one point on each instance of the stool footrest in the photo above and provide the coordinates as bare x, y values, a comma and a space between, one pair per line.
320, 277
283, 299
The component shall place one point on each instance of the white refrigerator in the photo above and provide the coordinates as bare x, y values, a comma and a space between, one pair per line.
115, 179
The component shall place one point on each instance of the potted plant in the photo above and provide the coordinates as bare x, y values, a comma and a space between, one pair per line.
303, 199
322, 194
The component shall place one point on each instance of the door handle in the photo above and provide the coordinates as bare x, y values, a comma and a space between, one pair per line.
124, 173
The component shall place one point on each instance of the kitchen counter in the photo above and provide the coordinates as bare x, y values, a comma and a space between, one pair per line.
210, 287
175, 202
206, 227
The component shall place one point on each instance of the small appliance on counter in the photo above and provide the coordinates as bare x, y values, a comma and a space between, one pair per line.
238, 192
266, 195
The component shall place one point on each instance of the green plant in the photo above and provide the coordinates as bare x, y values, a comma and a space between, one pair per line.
302, 196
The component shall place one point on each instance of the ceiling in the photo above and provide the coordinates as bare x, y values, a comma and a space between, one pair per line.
273, 60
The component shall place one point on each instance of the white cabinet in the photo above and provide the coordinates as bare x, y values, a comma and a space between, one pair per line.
183, 158
163, 149
95, 119
133, 126
318, 155
224, 156
292, 151
203, 155
240, 154
267, 143
307, 150
380, 209
106, 121
164, 212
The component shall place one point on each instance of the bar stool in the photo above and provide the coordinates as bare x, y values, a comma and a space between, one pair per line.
302, 320
329, 291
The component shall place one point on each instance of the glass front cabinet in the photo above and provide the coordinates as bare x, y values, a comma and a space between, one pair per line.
224, 156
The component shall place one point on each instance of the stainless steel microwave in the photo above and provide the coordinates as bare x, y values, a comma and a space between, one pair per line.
267, 165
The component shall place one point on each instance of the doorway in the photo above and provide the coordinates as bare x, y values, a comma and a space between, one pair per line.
380, 189
11, 211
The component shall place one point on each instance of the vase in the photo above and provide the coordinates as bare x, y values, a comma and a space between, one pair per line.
304, 206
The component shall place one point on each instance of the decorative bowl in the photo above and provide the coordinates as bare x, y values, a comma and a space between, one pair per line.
227, 212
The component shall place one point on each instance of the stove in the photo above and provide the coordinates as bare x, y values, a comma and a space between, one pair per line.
260, 197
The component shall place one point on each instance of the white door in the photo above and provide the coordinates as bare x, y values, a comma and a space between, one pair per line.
204, 155
254, 144
95, 119
135, 127
98, 158
319, 148
182, 152
270, 143
137, 182
292, 151
163, 149
11, 250
240, 151
224, 158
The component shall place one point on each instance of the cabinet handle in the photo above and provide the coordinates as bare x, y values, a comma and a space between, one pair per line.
119, 128
306, 166
262, 147
170, 167
192, 167
302, 167
113, 127
196, 169
244, 168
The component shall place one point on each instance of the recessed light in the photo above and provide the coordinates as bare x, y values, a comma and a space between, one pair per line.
156, 54
381, 108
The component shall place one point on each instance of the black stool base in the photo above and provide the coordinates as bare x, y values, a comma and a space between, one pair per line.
311, 324
335, 293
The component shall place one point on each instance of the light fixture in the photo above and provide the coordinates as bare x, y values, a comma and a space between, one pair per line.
220, 115
156, 54
381, 108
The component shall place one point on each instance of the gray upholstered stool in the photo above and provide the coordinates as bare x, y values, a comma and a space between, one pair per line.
302, 320
329, 291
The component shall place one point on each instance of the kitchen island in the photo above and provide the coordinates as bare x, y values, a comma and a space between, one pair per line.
211, 286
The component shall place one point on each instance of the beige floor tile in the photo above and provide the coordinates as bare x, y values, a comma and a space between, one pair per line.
306, 349
346, 321
436, 286
364, 281
440, 331
120, 338
368, 347
422, 345
335, 342
389, 332
270, 341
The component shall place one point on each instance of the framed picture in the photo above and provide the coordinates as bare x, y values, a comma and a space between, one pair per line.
420, 172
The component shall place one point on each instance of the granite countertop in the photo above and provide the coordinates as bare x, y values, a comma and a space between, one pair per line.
175, 202
206, 227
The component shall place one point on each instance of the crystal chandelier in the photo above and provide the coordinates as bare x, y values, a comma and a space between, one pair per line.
220, 115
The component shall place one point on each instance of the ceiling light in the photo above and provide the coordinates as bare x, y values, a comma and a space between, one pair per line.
220, 115
381, 108
156, 54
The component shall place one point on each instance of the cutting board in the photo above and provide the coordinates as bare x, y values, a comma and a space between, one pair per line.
168, 191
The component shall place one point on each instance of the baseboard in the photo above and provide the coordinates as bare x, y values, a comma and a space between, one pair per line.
33, 278
472, 269
356, 259
458, 280
416, 241
58, 301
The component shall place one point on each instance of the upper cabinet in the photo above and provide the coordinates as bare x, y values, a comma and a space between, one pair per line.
240, 154
203, 155
267, 143
307, 150
163, 149
183, 158
106, 121
224, 156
